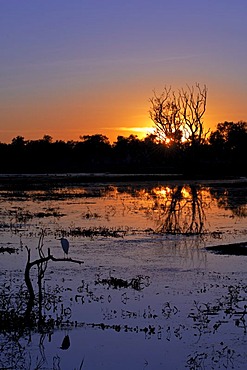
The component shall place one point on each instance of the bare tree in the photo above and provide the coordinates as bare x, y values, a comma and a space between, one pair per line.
164, 113
192, 104
180, 116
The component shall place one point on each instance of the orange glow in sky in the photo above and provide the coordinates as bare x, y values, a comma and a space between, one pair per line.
90, 67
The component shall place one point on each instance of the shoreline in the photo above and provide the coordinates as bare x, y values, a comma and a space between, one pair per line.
74, 178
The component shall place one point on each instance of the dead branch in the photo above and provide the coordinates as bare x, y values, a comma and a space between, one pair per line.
164, 113
42, 261
192, 108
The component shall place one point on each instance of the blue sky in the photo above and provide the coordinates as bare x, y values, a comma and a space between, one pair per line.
71, 68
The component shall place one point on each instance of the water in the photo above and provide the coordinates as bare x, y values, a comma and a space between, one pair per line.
148, 295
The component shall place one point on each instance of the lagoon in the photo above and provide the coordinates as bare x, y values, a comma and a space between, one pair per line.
148, 295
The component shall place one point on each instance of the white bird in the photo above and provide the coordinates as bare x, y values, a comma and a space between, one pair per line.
65, 245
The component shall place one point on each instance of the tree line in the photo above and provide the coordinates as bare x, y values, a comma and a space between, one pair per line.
179, 144
224, 152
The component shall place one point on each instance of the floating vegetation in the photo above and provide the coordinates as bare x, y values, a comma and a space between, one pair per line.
21, 216
4, 225
205, 319
208, 317
138, 283
214, 357
89, 214
48, 214
97, 231
9, 250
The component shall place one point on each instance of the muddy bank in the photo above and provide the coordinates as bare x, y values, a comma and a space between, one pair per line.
235, 249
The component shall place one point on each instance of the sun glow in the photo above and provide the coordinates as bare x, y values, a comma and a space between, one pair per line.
141, 132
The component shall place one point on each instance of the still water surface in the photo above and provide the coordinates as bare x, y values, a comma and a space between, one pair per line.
152, 237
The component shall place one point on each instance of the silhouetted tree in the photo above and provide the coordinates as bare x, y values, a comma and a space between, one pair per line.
62, 156
121, 149
155, 152
192, 104
4, 155
94, 152
225, 152
47, 138
96, 140
230, 135
127, 152
181, 115
18, 142
39, 154
17, 154
165, 113
229, 146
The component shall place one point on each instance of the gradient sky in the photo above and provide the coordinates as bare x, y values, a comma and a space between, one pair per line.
78, 67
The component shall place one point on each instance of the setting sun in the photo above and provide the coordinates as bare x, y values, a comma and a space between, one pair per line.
123, 184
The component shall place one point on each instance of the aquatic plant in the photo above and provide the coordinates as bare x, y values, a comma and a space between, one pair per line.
138, 283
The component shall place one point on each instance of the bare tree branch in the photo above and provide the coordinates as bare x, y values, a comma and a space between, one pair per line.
192, 108
41, 263
181, 116
164, 113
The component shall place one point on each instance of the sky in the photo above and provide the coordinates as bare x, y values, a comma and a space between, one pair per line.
85, 67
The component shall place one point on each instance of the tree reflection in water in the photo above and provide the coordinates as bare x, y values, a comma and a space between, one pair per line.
232, 198
181, 210
176, 209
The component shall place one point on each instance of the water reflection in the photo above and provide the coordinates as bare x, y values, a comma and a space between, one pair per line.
144, 268
172, 208
185, 209
176, 209
231, 198
65, 343
181, 209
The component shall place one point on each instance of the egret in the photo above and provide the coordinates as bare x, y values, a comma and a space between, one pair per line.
65, 245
